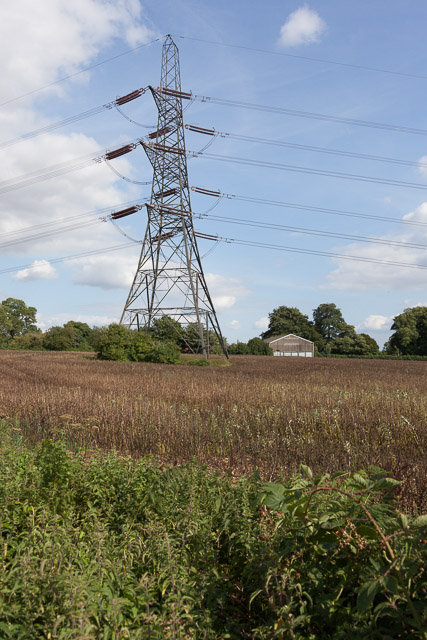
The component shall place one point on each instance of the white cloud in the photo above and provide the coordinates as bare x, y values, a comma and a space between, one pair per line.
224, 290
59, 319
234, 324
223, 302
361, 276
76, 32
422, 166
109, 271
302, 27
58, 37
39, 270
376, 323
262, 323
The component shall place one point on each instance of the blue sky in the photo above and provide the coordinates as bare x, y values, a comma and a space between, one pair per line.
43, 42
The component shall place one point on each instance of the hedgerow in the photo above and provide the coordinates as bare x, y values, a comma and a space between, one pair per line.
101, 546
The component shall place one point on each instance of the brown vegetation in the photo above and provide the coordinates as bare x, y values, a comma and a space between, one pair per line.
269, 414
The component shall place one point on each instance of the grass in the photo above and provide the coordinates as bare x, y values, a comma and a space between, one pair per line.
262, 413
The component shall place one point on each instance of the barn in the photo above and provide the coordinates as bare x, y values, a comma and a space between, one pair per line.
291, 345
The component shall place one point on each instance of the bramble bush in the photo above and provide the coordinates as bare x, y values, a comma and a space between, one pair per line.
98, 546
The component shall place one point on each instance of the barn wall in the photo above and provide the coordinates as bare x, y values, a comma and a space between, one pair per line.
292, 346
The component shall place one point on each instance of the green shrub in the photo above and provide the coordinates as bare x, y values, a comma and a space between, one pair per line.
166, 352
141, 345
117, 342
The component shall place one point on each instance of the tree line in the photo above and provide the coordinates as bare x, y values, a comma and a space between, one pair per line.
329, 331
332, 335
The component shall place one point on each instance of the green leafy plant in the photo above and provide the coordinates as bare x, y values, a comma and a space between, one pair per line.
103, 546
365, 555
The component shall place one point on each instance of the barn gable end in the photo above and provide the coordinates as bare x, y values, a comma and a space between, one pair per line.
291, 345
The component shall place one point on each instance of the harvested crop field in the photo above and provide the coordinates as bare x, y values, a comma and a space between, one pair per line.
261, 413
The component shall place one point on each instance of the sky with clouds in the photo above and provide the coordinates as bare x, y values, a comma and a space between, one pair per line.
298, 69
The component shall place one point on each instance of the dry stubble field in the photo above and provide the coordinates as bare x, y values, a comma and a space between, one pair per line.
264, 413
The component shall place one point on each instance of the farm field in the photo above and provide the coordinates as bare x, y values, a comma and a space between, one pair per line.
261, 413
144, 501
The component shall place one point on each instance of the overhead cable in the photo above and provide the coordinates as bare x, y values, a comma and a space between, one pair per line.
313, 232
67, 258
262, 245
309, 58
80, 116
59, 221
76, 73
62, 168
59, 227
309, 170
310, 115
42, 235
129, 210
303, 147
317, 209
238, 241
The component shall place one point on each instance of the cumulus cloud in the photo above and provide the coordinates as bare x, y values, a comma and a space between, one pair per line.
303, 26
262, 323
376, 323
39, 270
361, 276
75, 31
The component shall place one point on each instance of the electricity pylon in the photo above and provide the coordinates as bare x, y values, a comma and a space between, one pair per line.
169, 280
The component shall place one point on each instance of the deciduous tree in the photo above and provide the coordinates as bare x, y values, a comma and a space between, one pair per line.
329, 321
410, 333
284, 320
16, 319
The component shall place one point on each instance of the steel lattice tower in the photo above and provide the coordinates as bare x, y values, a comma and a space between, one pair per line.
169, 280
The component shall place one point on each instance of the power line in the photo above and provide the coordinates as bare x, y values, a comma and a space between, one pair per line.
304, 147
72, 75
47, 234
41, 235
310, 170
310, 115
76, 164
238, 241
80, 116
240, 221
309, 58
67, 219
62, 168
322, 253
67, 258
316, 209
228, 196
312, 232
